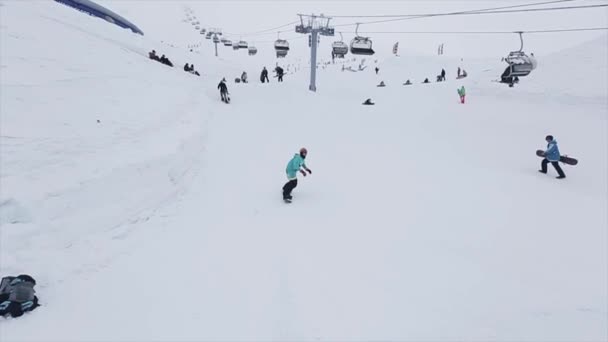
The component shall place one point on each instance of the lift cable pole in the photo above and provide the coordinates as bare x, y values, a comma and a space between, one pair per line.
316, 25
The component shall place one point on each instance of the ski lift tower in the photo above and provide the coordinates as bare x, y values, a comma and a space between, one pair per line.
314, 25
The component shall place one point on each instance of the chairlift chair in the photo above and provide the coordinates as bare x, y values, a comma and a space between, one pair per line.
361, 45
281, 46
252, 50
520, 64
216, 39
339, 48
228, 43
242, 44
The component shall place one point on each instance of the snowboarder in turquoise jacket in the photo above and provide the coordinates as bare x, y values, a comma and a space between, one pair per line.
462, 93
295, 164
552, 156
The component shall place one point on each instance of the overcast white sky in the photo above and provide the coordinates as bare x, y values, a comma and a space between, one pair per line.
250, 16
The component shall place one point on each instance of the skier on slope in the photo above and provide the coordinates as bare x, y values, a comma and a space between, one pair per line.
295, 164
552, 156
223, 90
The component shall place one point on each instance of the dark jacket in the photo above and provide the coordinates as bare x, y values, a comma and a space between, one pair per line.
222, 87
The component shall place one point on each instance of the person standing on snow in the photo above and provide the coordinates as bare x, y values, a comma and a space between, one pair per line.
280, 72
462, 93
223, 90
264, 76
295, 164
552, 156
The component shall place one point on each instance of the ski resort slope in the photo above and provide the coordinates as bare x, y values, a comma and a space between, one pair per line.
149, 210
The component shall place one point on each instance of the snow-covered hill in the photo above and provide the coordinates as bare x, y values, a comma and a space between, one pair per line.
149, 210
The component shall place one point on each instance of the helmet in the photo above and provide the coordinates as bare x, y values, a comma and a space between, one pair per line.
303, 150
549, 138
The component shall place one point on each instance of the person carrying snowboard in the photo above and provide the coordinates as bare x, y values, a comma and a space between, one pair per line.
552, 156
280, 72
223, 90
295, 164
462, 93
264, 76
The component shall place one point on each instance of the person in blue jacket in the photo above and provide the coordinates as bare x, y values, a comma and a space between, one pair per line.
552, 156
295, 164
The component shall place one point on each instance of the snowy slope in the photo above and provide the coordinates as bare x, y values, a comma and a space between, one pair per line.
72, 136
423, 219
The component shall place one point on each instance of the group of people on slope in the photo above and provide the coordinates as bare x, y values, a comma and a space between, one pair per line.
278, 70
223, 87
162, 59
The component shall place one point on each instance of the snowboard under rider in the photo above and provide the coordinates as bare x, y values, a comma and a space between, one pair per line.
295, 164
552, 156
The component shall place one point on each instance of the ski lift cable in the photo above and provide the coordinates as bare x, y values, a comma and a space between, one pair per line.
247, 34
260, 34
477, 12
429, 14
483, 32
273, 41
418, 16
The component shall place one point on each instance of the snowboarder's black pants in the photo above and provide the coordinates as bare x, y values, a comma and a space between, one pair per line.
543, 166
223, 95
288, 187
280, 78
